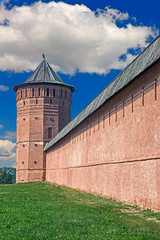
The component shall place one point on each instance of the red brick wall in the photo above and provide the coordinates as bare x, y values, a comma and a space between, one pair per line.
38, 108
116, 151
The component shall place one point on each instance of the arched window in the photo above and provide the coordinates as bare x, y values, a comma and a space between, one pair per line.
39, 92
54, 93
32, 92
25, 92
36, 101
61, 93
47, 92
49, 132
50, 101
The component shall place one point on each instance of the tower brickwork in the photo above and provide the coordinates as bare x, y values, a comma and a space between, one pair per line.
43, 109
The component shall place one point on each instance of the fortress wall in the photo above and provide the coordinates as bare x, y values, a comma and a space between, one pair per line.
116, 151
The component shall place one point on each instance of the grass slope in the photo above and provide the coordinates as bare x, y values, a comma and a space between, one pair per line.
40, 211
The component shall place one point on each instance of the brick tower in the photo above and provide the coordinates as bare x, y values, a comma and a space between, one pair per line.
43, 109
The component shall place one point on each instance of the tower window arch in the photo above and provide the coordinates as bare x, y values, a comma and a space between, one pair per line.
61, 93
39, 92
32, 92
25, 92
49, 132
54, 93
47, 92
50, 101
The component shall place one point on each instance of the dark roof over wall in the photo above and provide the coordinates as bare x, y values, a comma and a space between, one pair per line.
148, 57
44, 74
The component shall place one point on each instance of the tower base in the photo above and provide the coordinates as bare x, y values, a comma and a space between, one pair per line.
30, 175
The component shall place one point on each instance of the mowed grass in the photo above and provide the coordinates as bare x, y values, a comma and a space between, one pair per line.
39, 211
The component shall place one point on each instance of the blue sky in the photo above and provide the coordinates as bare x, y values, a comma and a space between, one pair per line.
87, 42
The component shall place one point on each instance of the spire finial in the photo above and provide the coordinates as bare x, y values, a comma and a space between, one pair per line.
43, 56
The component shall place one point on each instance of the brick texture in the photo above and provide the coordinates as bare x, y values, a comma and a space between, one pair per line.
42, 111
116, 151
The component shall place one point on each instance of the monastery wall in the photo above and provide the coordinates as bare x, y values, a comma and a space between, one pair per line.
115, 152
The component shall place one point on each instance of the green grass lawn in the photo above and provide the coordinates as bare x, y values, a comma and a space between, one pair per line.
39, 211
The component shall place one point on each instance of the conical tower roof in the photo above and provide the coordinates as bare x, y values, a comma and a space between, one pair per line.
44, 74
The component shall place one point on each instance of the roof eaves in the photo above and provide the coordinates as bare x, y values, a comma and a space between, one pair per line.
50, 83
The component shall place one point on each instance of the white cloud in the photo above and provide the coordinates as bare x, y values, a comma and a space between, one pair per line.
10, 135
1, 126
4, 88
7, 151
72, 37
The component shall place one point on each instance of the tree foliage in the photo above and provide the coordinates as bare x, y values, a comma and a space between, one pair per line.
7, 175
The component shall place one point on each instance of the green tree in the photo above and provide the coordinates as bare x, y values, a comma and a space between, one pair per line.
7, 175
